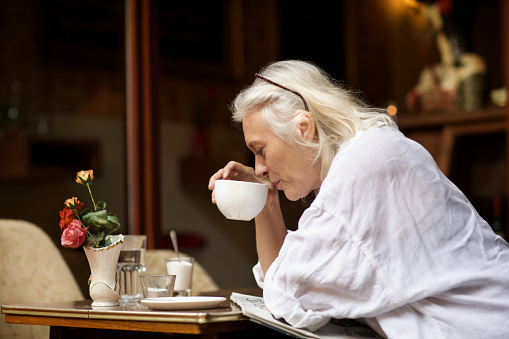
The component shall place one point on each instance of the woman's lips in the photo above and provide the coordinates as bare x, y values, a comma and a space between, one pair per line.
275, 183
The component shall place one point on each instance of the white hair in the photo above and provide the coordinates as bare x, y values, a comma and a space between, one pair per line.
337, 112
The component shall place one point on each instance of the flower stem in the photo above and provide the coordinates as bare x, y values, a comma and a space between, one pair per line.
76, 212
113, 230
89, 191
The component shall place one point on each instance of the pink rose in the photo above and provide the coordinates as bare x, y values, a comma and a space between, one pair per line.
74, 235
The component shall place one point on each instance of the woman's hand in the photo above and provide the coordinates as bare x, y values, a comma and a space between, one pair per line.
270, 226
234, 171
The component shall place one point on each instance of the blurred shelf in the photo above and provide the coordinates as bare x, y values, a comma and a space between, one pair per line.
440, 120
438, 133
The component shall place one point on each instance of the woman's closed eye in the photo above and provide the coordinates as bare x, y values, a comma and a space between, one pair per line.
259, 151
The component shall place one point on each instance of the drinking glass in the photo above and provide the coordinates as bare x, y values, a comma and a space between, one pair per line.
131, 263
157, 285
183, 269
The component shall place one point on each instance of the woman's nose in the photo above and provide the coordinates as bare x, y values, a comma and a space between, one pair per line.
261, 169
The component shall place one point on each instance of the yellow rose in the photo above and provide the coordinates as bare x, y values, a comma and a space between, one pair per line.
72, 203
84, 177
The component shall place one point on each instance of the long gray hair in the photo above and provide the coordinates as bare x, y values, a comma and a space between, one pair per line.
338, 113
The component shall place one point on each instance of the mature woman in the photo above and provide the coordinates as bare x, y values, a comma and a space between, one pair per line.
388, 238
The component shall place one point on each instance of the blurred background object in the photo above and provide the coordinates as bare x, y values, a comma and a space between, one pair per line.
67, 66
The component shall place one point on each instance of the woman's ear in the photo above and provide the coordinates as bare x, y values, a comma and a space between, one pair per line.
306, 126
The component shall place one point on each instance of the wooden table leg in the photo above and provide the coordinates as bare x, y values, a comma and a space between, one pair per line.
55, 332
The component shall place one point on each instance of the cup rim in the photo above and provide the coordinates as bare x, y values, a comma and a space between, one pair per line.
158, 275
241, 181
185, 259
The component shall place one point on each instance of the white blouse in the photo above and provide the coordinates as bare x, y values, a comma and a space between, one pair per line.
389, 239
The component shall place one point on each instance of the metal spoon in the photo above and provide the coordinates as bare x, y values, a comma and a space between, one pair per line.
173, 236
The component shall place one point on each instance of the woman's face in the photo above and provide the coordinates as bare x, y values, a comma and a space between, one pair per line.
288, 169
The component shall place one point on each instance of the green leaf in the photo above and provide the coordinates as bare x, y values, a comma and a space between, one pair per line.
101, 205
92, 240
113, 230
114, 219
85, 211
96, 219
107, 242
100, 239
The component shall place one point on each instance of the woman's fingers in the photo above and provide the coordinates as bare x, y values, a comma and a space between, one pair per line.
214, 177
233, 170
237, 171
223, 173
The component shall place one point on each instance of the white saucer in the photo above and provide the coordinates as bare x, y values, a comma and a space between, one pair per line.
182, 303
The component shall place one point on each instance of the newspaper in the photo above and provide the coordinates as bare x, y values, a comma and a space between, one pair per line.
254, 308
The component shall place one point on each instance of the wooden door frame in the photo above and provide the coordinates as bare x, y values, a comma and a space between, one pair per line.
142, 120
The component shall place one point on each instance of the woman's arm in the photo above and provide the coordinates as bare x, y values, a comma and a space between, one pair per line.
270, 226
270, 233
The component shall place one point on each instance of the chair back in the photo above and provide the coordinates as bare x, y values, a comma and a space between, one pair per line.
32, 269
155, 263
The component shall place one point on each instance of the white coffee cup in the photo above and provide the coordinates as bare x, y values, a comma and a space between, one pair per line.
240, 200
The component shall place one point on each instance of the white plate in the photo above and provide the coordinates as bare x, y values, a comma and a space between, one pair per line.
182, 303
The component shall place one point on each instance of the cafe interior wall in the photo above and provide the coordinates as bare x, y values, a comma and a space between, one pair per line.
73, 96
76, 94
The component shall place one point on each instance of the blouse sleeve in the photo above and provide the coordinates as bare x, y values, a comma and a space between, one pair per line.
378, 236
258, 275
322, 273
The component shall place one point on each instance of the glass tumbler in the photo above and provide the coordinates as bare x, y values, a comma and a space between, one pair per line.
183, 269
131, 264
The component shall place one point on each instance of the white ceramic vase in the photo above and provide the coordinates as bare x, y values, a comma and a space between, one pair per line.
104, 288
